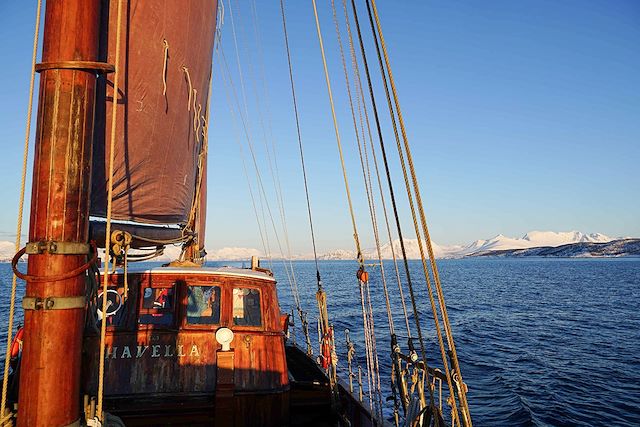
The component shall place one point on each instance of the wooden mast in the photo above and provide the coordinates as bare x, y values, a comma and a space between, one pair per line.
50, 367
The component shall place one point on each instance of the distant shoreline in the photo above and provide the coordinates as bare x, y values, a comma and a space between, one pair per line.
615, 249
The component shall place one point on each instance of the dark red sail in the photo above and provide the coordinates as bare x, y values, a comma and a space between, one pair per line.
164, 84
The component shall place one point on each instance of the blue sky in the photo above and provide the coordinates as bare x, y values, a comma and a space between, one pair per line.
522, 116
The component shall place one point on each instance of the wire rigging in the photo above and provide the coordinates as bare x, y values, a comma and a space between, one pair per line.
372, 212
393, 203
272, 159
300, 147
244, 165
255, 162
455, 414
416, 188
361, 102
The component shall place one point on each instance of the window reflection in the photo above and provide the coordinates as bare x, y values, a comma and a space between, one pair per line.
246, 307
158, 304
203, 305
157, 298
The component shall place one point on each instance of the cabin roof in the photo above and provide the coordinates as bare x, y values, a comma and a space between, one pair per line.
215, 271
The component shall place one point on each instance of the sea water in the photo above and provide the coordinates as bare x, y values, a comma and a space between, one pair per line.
540, 341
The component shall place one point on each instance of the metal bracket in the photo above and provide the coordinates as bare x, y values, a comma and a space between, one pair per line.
53, 303
57, 248
91, 66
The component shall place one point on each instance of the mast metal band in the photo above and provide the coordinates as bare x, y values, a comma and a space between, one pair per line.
53, 303
97, 67
57, 248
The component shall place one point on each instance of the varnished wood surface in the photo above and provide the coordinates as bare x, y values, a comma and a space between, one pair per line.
162, 388
50, 371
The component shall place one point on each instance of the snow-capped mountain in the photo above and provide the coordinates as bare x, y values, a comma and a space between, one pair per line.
232, 254
532, 239
412, 249
614, 248
7, 250
172, 253
338, 254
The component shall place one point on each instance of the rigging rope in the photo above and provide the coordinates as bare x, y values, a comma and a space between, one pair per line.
361, 101
244, 166
105, 283
25, 156
356, 238
164, 66
187, 76
304, 172
362, 164
272, 160
455, 414
263, 193
372, 213
363, 276
416, 314
416, 188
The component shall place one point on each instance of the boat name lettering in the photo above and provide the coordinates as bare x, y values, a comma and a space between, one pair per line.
153, 351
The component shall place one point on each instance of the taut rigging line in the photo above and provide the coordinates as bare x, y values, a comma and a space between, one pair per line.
372, 208
362, 102
272, 159
288, 268
244, 165
304, 175
416, 314
368, 322
447, 327
455, 414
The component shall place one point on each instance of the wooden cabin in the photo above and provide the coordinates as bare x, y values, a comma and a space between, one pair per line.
162, 346
206, 346
201, 347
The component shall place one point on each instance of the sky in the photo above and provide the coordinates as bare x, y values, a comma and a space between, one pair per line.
521, 116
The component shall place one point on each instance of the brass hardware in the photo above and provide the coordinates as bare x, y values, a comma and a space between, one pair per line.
53, 303
57, 248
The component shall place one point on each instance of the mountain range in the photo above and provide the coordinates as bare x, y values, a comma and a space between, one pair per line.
533, 239
572, 243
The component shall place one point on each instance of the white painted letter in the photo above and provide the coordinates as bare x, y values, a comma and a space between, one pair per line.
111, 352
180, 353
168, 352
126, 353
141, 350
194, 351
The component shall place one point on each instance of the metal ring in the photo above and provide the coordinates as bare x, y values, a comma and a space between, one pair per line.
97, 67
55, 278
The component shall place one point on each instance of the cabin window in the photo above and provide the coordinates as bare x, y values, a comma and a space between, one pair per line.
246, 307
203, 305
157, 306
